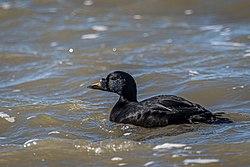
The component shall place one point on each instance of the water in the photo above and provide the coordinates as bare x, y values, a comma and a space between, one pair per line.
51, 50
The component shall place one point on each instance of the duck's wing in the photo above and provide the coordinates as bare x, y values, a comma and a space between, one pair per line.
177, 109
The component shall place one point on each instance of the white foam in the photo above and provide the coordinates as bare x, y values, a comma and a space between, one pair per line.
16, 90
169, 146
29, 142
90, 36
246, 55
116, 159
7, 117
149, 163
193, 72
2, 138
98, 150
200, 161
127, 134
100, 28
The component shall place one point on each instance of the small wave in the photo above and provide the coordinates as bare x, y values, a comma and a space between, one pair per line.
90, 36
116, 159
169, 146
215, 28
234, 44
200, 161
100, 28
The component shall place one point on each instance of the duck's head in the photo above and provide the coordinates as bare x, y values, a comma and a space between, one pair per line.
118, 82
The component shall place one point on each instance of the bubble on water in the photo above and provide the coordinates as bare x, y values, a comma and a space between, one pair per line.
88, 2
100, 28
116, 159
199, 161
71, 50
89, 36
124, 127
188, 12
98, 150
168, 146
137, 17
149, 163
77, 146
114, 49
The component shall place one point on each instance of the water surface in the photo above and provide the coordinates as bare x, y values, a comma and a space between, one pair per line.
51, 50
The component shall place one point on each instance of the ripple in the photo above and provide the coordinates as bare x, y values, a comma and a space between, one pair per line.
199, 161
169, 146
90, 36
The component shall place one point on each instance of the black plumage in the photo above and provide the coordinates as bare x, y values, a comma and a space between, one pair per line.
156, 111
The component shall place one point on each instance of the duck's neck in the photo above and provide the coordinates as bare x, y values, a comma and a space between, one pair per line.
125, 99
119, 107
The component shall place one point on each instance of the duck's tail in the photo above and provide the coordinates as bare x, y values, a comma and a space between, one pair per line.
218, 118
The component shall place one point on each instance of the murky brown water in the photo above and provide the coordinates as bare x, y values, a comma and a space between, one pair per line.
50, 50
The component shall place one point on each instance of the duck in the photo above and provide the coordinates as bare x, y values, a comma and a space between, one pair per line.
157, 111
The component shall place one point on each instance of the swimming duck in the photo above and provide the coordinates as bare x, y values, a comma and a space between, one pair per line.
156, 111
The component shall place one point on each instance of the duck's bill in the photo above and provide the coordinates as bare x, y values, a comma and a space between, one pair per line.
98, 85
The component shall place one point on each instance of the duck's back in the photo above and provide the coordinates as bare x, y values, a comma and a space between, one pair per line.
161, 111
